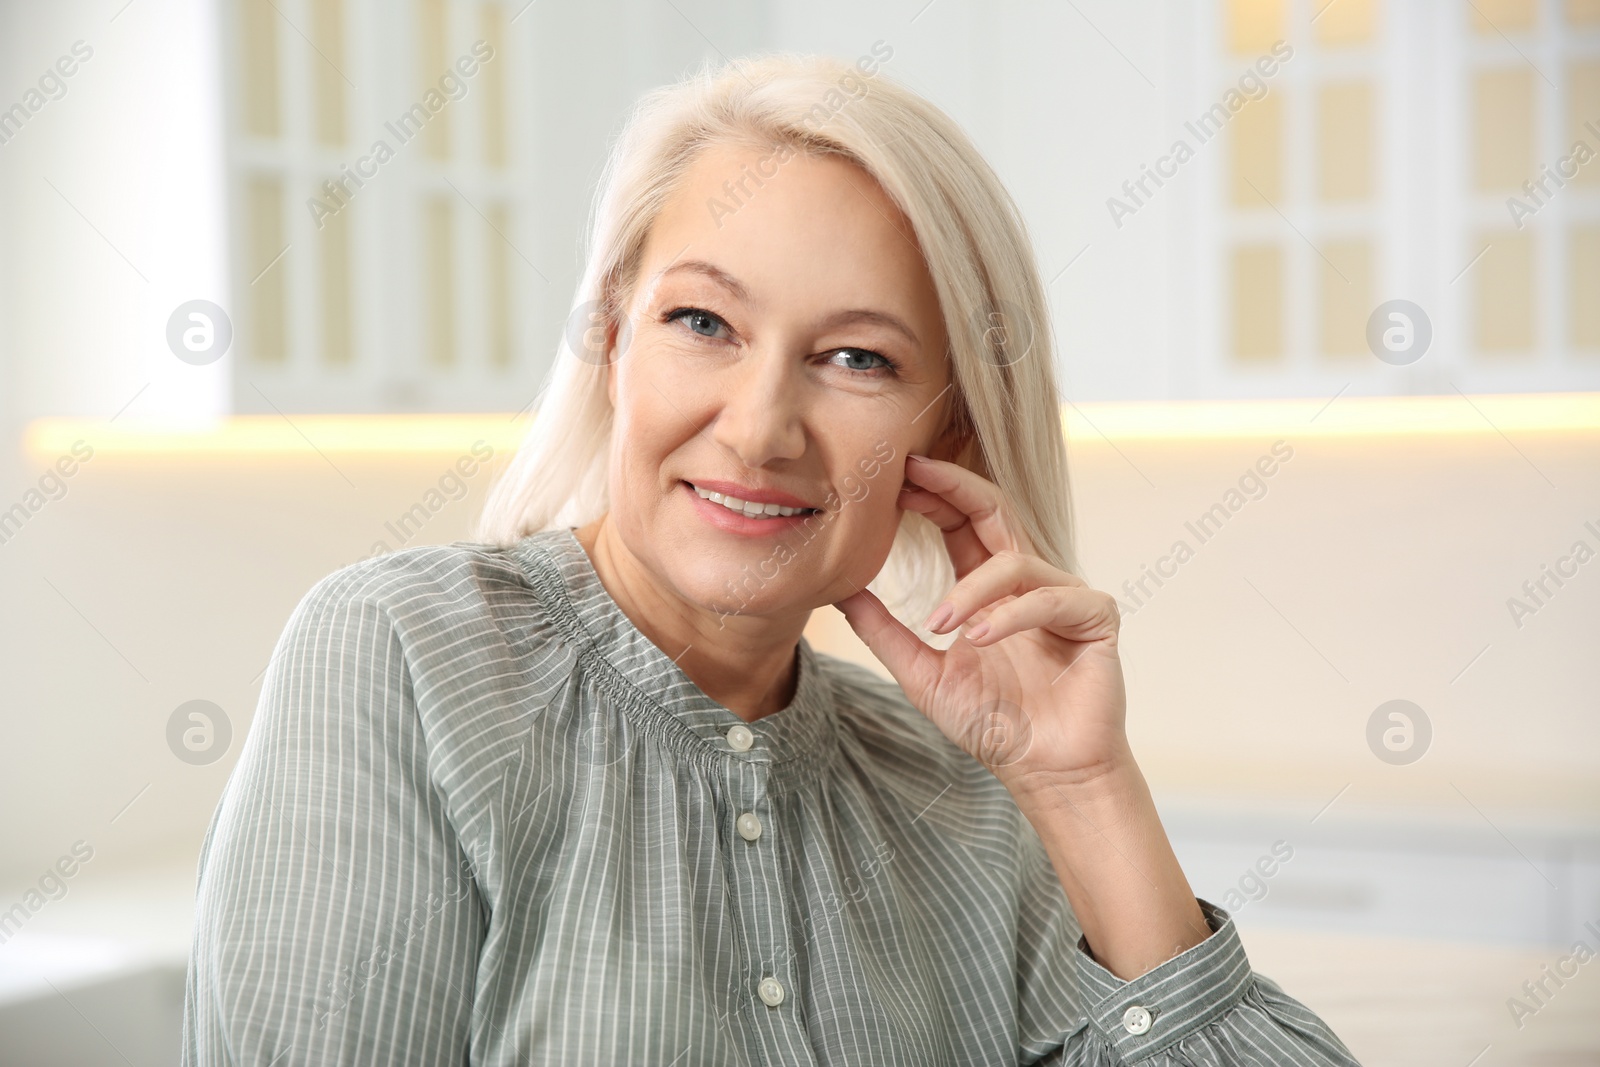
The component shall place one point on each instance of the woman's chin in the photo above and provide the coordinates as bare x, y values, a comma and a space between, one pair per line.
745, 595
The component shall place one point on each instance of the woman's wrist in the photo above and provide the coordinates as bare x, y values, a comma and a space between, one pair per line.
1111, 780
1104, 837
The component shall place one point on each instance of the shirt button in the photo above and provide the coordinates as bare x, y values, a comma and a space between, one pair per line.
1136, 1020
771, 991
740, 738
749, 828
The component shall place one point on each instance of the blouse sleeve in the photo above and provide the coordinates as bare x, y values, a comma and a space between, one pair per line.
1203, 1008
337, 919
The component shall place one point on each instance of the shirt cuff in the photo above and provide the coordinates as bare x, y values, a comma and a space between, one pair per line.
1172, 1001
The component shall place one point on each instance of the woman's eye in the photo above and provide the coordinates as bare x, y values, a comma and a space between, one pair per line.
707, 324
854, 356
699, 320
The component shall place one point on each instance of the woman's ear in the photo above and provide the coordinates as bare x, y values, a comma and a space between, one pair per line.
952, 445
613, 354
619, 334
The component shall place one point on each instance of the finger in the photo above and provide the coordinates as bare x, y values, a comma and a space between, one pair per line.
979, 501
961, 541
1076, 613
912, 663
1004, 574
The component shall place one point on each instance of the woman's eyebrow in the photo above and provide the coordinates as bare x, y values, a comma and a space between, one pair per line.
871, 318
850, 317
713, 272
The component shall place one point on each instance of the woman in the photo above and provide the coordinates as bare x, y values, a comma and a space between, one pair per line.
582, 793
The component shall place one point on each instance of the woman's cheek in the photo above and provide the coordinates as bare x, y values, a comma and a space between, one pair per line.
854, 488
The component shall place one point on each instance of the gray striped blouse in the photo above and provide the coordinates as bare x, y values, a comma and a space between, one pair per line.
481, 819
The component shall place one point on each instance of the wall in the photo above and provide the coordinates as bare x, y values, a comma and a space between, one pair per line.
1373, 567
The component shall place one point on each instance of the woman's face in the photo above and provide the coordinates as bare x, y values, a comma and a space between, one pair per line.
784, 343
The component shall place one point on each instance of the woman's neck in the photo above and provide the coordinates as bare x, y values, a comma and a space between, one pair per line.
746, 663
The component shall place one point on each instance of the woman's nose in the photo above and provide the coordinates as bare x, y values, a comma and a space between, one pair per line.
760, 409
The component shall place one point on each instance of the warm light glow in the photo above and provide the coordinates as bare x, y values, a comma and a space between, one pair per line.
275, 435
1178, 420
1347, 416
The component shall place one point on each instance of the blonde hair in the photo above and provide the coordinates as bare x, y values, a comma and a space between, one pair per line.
971, 235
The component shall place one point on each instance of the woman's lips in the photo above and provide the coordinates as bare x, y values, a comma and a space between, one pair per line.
754, 495
734, 522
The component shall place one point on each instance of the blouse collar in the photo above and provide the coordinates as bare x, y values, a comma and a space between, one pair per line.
795, 741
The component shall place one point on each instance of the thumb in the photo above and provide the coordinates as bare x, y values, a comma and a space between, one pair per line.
912, 663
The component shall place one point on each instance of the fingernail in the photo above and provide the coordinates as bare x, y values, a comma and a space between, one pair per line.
939, 618
977, 631
917, 458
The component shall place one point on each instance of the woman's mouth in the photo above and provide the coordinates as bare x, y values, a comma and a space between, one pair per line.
744, 518
747, 508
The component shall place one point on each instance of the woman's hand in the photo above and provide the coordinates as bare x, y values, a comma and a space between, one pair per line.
1033, 687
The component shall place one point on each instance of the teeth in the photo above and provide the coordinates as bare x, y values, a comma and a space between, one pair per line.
746, 508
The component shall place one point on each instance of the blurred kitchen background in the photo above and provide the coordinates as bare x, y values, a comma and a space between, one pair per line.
1355, 241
